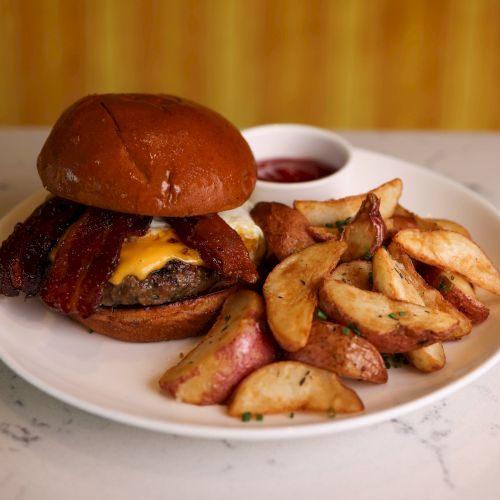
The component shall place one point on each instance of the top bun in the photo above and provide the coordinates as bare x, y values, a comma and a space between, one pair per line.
147, 154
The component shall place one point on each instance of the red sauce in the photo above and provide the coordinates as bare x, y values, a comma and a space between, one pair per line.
293, 169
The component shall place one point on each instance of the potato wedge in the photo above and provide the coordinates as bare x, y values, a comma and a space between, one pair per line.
291, 386
357, 273
285, 229
452, 251
399, 222
366, 232
404, 219
391, 279
451, 225
390, 325
427, 359
323, 233
337, 349
457, 290
290, 292
431, 297
235, 346
320, 213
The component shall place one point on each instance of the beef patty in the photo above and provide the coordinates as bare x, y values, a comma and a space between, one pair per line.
175, 281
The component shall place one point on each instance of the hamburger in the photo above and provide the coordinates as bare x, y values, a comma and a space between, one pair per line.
145, 234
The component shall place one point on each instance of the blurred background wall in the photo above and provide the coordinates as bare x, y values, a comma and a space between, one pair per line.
332, 63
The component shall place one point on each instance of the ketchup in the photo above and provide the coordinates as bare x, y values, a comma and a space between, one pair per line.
293, 169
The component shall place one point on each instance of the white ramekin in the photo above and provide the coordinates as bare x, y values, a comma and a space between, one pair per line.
299, 141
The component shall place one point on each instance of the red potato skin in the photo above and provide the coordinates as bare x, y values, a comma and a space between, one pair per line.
246, 353
285, 228
347, 355
370, 224
468, 305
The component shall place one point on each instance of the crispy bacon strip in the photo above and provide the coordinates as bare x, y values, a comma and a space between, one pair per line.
86, 258
24, 255
219, 245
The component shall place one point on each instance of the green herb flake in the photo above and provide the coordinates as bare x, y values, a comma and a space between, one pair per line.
345, 330
402, 313
321, 315
367, 255
328, 225
259, 417
387, 360
331, 413
303, 379
354, 329
341, 224
442, 287
393, 315
227, 317
246, 417
399, 360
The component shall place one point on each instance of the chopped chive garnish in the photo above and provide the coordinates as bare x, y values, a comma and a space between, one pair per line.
303, 379
227, 318
396, 360
345, 330
321, 315
402, 313
341, 224
393, 315
367, 255
386, 359
246, 417
328, 225
259, 417
354, 329
442, 287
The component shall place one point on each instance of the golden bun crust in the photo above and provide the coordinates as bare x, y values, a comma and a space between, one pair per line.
147, 154
187, 318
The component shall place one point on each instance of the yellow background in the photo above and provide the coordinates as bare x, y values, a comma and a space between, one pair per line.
333, 63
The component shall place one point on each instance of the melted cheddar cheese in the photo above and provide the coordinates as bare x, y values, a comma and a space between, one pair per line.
141, 256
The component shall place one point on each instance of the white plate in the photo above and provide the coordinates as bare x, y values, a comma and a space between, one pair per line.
119, 381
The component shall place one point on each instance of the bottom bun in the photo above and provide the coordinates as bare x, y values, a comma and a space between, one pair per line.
186, 318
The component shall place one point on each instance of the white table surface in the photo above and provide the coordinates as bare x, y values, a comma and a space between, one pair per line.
451, 450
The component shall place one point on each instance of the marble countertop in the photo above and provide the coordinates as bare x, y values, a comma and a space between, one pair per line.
450, 450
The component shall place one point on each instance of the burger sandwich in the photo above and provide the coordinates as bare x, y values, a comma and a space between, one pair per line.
144, 235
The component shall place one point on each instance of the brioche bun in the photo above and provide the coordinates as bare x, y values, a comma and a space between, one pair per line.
178, 320
146, 154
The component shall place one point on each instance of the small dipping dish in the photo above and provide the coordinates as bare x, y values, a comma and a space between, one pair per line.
280, 142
